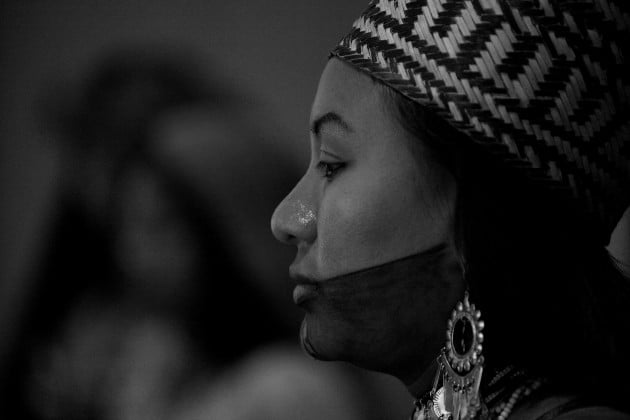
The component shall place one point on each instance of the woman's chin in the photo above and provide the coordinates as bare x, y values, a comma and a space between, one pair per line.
313, 345
331, 340
326, 338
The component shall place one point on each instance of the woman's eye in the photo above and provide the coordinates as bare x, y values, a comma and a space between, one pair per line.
329, 169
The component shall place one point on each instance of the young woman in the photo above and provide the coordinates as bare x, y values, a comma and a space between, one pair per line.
468, 164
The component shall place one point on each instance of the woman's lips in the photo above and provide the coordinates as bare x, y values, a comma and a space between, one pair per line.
307, 287
304, 292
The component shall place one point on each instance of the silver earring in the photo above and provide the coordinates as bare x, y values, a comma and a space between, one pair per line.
455, 392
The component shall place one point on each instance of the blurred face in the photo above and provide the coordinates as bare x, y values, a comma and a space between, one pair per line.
155, 246
372, 221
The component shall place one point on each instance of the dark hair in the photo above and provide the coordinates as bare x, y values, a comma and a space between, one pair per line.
553, 301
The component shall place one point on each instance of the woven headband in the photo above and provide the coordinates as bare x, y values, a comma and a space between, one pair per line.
544, 84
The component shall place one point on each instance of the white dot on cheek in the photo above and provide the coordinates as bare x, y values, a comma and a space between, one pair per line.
304, 214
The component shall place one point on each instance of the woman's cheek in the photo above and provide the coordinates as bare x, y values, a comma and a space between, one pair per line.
356, 230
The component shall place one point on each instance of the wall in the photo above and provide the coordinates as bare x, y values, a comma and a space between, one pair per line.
271, 51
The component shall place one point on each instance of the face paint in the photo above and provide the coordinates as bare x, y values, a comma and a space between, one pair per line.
393, 310
304, 214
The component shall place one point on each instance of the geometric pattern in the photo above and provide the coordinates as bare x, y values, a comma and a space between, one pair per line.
544, 84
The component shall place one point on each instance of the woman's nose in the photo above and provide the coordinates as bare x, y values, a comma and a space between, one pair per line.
295, 218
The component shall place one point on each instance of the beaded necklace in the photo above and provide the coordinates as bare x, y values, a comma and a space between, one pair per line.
507, 387
512, 382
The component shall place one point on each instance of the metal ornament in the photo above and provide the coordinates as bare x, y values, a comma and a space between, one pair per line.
455, 392
464, 336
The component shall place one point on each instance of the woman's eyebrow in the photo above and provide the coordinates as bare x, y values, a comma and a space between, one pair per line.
329, 118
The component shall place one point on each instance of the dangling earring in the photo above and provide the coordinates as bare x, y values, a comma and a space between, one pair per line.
455, 392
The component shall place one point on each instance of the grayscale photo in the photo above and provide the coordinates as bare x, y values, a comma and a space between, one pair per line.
315, 210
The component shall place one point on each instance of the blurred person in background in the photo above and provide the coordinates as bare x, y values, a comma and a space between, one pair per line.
156, 298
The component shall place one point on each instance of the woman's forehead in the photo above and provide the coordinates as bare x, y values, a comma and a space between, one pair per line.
354, 96
342, 89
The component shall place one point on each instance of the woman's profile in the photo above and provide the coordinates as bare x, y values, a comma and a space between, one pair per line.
469, 161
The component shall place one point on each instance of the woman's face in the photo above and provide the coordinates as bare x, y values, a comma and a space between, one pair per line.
371, 195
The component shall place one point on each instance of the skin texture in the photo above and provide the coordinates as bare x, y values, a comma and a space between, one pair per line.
377, 198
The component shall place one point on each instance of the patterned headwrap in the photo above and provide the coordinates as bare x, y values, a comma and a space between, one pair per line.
543, 84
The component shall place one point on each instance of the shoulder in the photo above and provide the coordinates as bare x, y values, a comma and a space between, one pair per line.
275, 383
567, 408
601, 413
577, 410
